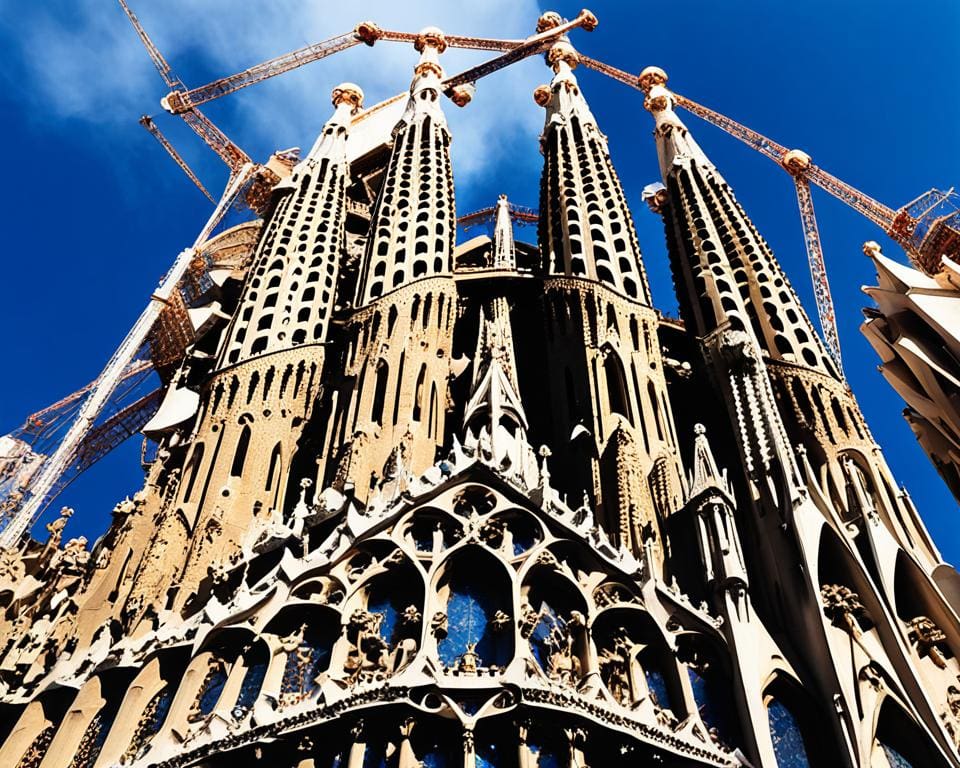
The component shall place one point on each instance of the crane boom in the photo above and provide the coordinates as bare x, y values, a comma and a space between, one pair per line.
875, 211
148, 123
818, 272
166, 72
528, 47
226, 150
61, 459
179, 100
521, 214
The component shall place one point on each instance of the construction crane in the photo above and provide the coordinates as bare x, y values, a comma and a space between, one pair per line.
89, 437
928, 228
68, 453
234, 157
519, 214
147, 122
181, 100
29, 446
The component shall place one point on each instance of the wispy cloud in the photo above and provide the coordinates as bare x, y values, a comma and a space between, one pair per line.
82, 60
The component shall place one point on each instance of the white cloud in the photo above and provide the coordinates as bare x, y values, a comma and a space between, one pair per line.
83, 61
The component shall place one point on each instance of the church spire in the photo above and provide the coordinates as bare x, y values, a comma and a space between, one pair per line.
289, 297
494, 392
413, 222
504, 247
724, 269
586, 229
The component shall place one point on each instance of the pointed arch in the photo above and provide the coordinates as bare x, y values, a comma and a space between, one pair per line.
193, 467
635, 661
618, 396
901, 741
475, 593
558, 639
800, 737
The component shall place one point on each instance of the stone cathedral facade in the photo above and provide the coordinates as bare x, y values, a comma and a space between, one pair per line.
428, 503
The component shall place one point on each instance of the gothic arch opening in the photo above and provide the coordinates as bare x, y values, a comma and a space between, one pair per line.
711, 681
305, 635
635, 662
385, 621
240, 453
380, 393
901, 741
474, 594
553, 619
618, 396
800, 739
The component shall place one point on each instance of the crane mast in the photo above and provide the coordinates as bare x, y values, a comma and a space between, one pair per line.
106, 383
818, 272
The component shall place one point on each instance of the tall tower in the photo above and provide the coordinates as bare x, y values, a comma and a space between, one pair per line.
610, 421
391, 405
267, 373
826, 547
727, 276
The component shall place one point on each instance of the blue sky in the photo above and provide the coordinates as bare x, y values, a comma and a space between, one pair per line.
94, 211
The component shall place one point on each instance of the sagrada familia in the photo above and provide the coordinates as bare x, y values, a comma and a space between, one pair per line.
429, 503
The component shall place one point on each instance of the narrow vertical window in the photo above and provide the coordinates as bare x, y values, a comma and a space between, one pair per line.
380, 393
240, 455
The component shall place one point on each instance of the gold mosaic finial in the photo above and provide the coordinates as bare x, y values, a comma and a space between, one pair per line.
431, 36
650, 77
562, 51
348, 93
542, 95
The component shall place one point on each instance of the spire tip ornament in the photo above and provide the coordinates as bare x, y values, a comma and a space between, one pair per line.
650, 77
348, 93
432, 37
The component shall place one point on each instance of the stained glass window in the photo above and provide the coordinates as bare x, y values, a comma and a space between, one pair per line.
211, 689
491, 755
713, 703
895, 759
434, 760
787, 740
93, 739
657, 684
374, 756
250, 687
540, 638
386, 607
547, 757
470, 608
150, 723
304, 663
